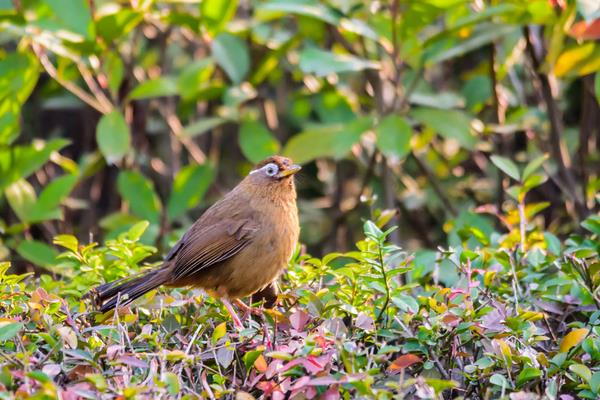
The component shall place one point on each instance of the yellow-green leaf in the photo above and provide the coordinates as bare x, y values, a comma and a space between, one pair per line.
572, 339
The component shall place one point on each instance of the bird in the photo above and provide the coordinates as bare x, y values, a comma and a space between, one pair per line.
238, 247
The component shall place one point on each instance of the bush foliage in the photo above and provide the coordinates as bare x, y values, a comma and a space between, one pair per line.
449, 194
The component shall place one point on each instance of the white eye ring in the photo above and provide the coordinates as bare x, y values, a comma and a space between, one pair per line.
271, 169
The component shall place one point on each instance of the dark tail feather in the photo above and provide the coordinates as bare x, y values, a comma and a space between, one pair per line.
126, 290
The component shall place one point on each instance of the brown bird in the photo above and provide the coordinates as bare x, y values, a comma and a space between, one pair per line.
238, 247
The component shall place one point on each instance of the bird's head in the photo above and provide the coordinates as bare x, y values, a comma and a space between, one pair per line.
274, 173
275, 169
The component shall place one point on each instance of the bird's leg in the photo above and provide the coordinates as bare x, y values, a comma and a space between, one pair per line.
248, 309
237, 322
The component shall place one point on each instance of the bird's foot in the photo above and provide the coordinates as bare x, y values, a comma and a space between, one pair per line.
237, 322
248, 310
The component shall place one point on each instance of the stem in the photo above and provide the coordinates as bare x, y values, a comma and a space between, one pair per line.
70, 86
557, 146
435, 185
522, 224
385, 281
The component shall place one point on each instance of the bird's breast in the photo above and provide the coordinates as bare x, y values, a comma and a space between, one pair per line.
272, 247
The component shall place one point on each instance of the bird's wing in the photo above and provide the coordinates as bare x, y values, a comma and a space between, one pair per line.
204, 246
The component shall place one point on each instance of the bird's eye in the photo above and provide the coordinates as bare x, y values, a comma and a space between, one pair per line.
271, 169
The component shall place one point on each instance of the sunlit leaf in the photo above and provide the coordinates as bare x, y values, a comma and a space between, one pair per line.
159, 87
37, 252
451, 124
528, 374
231, 53
326, 141
203, 125
393, 136
113, 136
309, 8
572, 339
10, 330
256, 142
322, 62
139, 193
506, 166
189, 187
214, 14
578, 60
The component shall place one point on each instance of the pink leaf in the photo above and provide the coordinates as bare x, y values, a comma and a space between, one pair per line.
299, 319
404, 361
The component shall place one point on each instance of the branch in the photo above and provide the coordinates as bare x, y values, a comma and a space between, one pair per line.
177, 128
435, 184
70, 86
557, 147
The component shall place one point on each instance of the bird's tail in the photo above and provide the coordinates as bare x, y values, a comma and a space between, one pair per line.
123, 291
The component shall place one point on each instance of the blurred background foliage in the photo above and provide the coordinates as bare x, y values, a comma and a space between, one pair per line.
418, 113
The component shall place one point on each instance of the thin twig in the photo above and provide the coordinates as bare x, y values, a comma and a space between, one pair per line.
95, 89
435, 184
177, 128
70, 86
557, 146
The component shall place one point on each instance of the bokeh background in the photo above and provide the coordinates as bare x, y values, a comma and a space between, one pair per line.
418, 113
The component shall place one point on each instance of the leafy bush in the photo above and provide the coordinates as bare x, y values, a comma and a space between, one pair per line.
465, 132
485, 317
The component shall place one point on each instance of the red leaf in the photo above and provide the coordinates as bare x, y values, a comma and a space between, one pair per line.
298, 320
404, 361
451, 319
586, 31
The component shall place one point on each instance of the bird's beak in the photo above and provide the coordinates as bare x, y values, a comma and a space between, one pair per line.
291, 170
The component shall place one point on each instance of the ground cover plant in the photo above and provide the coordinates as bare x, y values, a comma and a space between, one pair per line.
448, 198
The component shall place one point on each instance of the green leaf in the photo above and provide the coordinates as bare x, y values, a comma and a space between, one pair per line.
485, 34
500, 380
552, 243
67, 241
194, 77
115, 71
528, 374
18, 162
218, 333
113, 136
10, 330
139, 193
231, 53
582, 371
47, 205
326, 140
313, 9
322, 62
74, 15
37, 252
159, 87
21, 197
189, 187
137, 230
214, 14
393, 136
203, 125
451, 124
19, 73
506, 166
115, 23
595, 382
533, 166
172, 381
256, 141
592, 224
